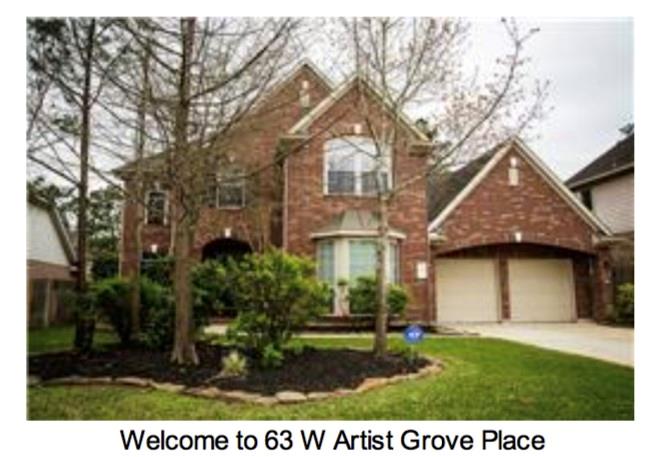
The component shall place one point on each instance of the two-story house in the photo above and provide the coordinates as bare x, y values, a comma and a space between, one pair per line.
500, 239
606, 187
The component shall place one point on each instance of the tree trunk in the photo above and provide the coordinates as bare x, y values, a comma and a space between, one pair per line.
85, 111
135, 303
183, 211
381, 313
184, 351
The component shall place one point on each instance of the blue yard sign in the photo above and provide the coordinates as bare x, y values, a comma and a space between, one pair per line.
413, 334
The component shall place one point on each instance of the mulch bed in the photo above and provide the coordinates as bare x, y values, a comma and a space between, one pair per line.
311, 370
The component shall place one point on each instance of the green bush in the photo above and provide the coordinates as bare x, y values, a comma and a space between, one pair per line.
210, 287
362, 297
157, 310
624, 304
275, 294
158, 269
112, 297
105, 266
84, 312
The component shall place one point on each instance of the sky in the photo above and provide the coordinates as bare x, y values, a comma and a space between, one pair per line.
589, 64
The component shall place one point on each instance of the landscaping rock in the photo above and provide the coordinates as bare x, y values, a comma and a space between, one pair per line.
240, 395
318, 395
167, 387
133, 381
289, 396
371, 383
206, 392
266, 401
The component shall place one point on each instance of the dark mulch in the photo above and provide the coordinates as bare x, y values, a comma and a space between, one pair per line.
310, 370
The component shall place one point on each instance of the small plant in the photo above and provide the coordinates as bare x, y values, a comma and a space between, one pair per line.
272, 357
234, 365
410, 354
362, 297
624, 304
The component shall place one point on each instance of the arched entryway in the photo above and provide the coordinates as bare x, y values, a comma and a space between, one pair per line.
222, 249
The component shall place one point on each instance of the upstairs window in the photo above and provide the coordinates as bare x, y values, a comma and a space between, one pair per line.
353, 166
231, 193
156, 207
225, 191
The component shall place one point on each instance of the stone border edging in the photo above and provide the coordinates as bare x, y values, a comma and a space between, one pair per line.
282, 397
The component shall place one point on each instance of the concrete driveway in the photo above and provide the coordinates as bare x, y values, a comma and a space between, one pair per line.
612, 344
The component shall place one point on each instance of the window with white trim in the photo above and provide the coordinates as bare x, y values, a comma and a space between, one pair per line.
355, 166
156, 207
325, 257
231, 193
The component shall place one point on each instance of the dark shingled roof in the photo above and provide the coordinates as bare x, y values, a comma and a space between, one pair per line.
444, 186
619, 156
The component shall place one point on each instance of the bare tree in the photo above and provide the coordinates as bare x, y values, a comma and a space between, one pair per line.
205, 75
412, 63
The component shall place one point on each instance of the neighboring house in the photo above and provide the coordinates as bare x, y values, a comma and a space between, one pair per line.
501, 239
606, 187
50, 263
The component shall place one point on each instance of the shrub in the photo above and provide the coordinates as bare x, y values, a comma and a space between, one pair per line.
210, 286
623, 308
158, 269
112, 297
157, 314
272, 357
362, 297
105, 266
234, 365
275, 294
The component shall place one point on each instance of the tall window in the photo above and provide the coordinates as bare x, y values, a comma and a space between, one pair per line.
353, 166
326, 261
156, 204
363, 260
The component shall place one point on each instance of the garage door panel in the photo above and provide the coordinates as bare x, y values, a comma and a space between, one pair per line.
541, 290
467, 290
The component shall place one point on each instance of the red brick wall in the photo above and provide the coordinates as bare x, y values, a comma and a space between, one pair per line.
494, 211
309, 210
252, 144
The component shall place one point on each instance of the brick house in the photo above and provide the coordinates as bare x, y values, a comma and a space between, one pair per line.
317, 200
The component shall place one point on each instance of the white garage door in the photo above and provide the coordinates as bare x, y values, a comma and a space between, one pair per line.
466, 290
541, 290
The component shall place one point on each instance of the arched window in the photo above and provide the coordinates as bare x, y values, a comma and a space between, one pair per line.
354, 165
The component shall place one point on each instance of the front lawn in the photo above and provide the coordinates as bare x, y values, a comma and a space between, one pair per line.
483, 379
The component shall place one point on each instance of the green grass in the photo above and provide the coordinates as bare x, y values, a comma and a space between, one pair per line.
483, 379
60, 338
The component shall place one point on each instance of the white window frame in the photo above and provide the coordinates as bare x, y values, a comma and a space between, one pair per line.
341, 246
165, 216
359, 165
237, 182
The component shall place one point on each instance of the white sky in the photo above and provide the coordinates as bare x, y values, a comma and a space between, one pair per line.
589, 64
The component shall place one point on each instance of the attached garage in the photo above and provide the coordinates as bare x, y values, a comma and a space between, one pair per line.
541, 290
467, 290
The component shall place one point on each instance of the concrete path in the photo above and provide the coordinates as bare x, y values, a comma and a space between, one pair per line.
612, 344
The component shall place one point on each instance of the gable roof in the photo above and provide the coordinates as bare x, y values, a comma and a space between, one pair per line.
444, 186
56, 218
618, 158
322, 107
481, 170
